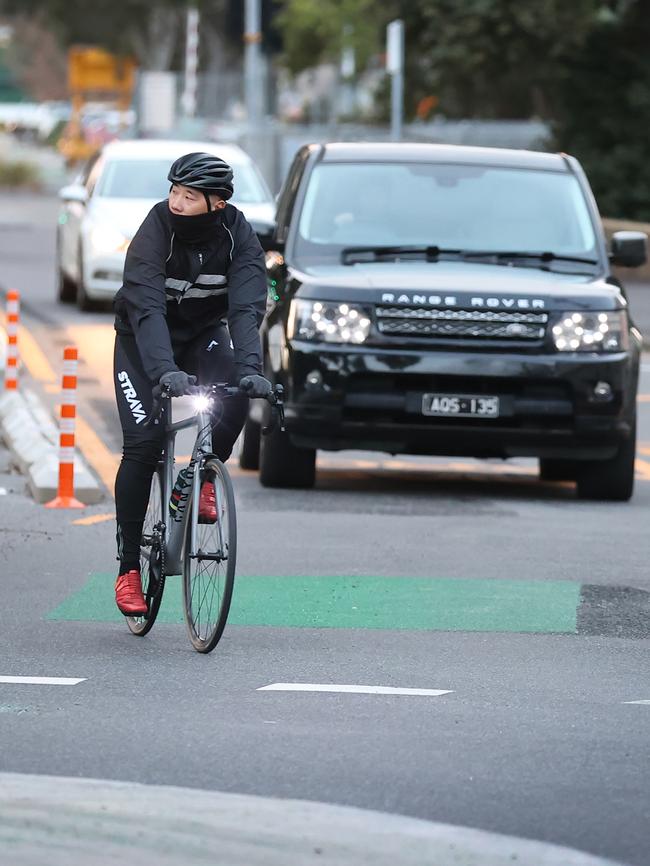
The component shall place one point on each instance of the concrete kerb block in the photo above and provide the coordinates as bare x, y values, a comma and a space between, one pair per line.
43, 480
43, 418
32, 437
9, 401
27, 446
17, 422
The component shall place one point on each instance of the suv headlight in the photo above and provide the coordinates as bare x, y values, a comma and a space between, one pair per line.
329, 321
591, 332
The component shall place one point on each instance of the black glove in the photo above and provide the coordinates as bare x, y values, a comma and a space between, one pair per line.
256, 386
177, 382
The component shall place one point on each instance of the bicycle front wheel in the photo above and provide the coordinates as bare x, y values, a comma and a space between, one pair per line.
209, 561
151, 559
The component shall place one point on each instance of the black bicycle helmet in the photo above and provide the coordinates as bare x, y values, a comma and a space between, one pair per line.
203, 171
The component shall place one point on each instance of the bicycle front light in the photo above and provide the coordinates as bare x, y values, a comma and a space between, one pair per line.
201, 403
591, 332
328, 321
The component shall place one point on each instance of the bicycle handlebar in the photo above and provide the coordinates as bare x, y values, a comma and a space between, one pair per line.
273, 398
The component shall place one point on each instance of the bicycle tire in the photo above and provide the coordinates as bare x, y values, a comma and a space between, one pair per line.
151, 560
218, 542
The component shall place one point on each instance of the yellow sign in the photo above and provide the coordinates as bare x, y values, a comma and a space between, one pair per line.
98, 71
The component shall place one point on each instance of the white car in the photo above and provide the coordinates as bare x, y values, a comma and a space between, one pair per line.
101, 212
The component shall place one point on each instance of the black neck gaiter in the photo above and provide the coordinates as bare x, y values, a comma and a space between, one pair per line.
196, 230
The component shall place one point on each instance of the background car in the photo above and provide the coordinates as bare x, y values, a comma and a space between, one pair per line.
103, 209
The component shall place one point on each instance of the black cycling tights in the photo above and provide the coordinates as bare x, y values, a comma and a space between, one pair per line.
210, 357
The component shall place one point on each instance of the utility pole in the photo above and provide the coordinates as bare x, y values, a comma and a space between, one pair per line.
188, 99
252, 63
395, 68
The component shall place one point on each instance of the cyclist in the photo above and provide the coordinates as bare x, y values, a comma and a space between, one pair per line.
189, 309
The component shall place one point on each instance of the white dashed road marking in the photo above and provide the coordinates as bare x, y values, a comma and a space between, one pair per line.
357, 690
44, 681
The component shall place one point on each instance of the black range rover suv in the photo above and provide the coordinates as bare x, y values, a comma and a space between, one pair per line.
444, 300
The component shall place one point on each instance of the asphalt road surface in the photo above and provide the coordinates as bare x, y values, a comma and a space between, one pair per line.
521, 612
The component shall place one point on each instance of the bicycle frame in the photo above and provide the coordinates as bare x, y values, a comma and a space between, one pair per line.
174, 526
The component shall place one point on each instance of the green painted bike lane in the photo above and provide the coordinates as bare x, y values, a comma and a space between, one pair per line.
364, 602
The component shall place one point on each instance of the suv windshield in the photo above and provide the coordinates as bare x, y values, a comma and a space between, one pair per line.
147, 178
455, 207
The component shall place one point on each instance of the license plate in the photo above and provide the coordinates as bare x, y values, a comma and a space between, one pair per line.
460, 405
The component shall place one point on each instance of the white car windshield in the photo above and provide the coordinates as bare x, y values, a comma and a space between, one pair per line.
143, 178
459, 207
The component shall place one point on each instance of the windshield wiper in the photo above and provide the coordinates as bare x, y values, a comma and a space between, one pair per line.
360, 255
543, 256
431, 253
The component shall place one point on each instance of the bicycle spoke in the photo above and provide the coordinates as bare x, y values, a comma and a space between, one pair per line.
150, 560
209, 568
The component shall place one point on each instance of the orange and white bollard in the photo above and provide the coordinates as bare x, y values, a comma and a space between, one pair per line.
13, 313
65, 497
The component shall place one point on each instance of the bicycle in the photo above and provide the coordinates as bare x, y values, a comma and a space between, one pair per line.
174, 540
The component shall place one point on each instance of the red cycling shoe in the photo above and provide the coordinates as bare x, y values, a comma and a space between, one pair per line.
128, 594
207, 503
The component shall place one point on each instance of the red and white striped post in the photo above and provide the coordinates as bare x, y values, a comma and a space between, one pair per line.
13, 314
65, 497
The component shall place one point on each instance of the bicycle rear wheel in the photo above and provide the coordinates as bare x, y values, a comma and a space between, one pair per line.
151, 559
209, 561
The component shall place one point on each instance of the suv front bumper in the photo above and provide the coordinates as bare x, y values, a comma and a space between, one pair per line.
371, 398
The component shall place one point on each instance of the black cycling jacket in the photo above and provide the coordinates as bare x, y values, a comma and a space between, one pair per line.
173, 290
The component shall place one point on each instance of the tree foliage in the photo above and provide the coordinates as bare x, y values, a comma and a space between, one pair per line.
491, 58
317, 31
584, 66
481, 58
602, 110
153, 31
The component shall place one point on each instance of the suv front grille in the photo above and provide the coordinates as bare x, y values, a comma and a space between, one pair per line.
478, 324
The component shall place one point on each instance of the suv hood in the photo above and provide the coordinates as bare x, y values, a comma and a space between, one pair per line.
457, 284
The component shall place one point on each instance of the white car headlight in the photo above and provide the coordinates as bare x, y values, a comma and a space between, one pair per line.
106, 239
591, 332
329, 321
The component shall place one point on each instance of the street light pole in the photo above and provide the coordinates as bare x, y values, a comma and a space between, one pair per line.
188, 99
395, 68
252, 62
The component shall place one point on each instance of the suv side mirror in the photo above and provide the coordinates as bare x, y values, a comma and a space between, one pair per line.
74, 192
629, 249
266, 234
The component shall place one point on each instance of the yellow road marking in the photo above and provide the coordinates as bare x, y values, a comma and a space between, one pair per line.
94, 518
104, 462
486, 470
643, 398
642, 468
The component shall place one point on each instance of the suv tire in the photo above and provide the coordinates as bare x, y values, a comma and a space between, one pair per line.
65, 288
610, 480
249, 453
84, 303
284, 465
